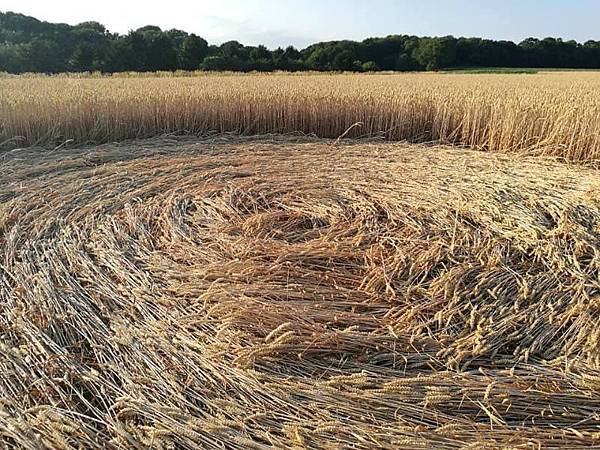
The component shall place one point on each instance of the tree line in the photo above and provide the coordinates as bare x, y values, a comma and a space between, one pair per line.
31, 45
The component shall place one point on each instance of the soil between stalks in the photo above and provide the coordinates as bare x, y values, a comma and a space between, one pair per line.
259, 293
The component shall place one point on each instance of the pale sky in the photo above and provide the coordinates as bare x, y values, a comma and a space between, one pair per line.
284, 22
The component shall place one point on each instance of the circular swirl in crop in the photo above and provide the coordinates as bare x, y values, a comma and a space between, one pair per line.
253, 293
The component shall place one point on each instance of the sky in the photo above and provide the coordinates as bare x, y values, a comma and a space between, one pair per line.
300, 23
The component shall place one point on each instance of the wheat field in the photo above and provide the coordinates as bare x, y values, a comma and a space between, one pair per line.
291, 292
548, 113
210, 261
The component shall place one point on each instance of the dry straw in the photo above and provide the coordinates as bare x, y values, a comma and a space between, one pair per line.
237, 293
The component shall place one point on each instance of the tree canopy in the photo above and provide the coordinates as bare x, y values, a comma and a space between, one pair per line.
31, 45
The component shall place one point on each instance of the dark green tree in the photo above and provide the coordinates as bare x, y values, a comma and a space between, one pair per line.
28, 44
369, 66
193, 51
436, 53
344, 60
319, 59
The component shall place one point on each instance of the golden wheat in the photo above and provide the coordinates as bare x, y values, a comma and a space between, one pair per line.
285, 293
549, 113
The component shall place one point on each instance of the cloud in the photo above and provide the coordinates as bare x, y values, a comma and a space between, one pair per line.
217, 29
